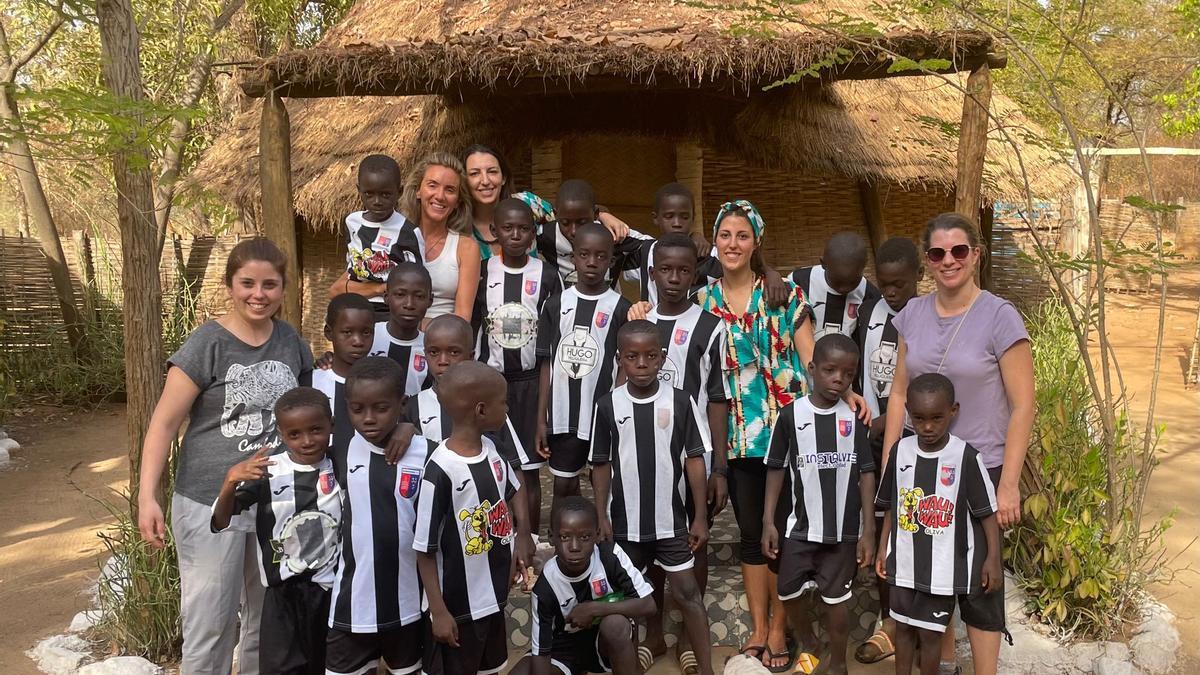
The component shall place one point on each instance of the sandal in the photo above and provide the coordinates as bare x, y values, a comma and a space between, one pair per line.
772, 655
645, 657
876, 648
688, 663
806, 663
753, 651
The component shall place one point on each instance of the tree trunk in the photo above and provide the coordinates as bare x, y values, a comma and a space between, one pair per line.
278, 214
38, 208
140, 285
972, 142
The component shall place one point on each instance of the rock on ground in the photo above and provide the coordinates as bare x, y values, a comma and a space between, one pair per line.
84, 620
60, 654
1156, 642
121, 665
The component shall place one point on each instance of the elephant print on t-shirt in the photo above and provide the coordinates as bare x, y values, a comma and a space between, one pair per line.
250, 395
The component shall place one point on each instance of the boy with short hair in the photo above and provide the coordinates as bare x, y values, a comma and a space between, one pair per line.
897, 272
577, 345
409, 295
465, 529
297, 517
585, 601
836, 288
378, 236
375, 611
940, 532
820, 443
513, 291
576, 206
647, 446
350, 328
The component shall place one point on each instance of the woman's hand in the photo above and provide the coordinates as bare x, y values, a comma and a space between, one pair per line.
1008, 502
859, 405
151, 523
639, 311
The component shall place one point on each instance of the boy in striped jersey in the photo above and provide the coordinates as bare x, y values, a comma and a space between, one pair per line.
575, 206
472, 533
409, 295
375, 610
350, 328
940, 530
513, 290
577, 345
836, 288
299, 508
585, 601
647, 447
821, 444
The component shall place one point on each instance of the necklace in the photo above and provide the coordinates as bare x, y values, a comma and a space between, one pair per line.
957, 328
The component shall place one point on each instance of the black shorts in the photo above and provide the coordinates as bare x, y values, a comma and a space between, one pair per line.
985, 611
522, 412
673, 554
568, 455
400, 648
482, 648
921, 610
582, 652
292, 632
830, 567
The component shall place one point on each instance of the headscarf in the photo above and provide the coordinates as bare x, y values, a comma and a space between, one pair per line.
543, 211
741, 207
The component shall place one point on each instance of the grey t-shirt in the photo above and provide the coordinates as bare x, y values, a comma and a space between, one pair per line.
234, 415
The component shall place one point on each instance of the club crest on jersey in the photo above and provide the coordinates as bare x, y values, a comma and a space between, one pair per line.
601, 319
418, 363
410, 481
663, 417
326, 482
852, 310
845, 428
383, 240
498, 469
681, 336
531, 286
599, 588
947, 477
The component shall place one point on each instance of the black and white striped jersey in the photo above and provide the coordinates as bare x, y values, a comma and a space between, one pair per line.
377, 587
296, 521
647, 442
551, 239
695, 344
579, 334
937, 499
556, 595
507, 308
424, 411
832, 312
825, 451
463, 516
334, 387
878, 339
638, 263
373, 249
410, 354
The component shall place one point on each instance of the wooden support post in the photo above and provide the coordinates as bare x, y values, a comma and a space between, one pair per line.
547, 160
689, 171
972, 142
278, 216
986, 216
872, 207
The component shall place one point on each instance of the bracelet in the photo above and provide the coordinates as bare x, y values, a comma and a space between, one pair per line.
722, 471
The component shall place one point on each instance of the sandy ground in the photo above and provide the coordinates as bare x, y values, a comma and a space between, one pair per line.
48, 514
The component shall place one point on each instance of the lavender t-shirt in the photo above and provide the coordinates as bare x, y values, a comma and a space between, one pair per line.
973, 364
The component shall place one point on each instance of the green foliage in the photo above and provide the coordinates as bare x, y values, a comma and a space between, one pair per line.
1080, 552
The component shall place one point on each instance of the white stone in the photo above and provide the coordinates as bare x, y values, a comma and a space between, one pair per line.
121, 665
85, 620
742, 664
1109, 666
9, 446
60, 654
112, 573
3, 433
1155, 644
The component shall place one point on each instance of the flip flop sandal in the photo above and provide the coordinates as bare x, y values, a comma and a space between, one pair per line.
806, 663
772, 655
688, 663
754, 651
645, 657
882, 645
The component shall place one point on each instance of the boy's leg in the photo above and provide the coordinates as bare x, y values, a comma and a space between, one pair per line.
677, 560
931, 642
531, 479
906, 637
568, 458
482, 648
211, 580
836, 567
655, 641
927, 616
615, 645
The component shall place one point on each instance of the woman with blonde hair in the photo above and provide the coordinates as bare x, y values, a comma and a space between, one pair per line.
435, 197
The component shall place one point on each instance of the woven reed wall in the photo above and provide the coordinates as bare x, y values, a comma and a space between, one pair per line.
1135, 229
323, 257
625, 171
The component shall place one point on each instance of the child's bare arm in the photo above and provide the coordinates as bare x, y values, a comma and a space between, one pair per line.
775, 288
601, 483
540, 444
770, 536
445, 629
252, 469
866, 543
540, 665
367, 289
698, 484
885, 533
718, 482
586, 613
992, 576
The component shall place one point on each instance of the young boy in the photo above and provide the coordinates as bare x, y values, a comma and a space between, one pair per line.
585, 602
836, 289
409, 295
299, 508
350, 328
575, 207
943, 543
513, 291
694, 345
375, 611
465, 529
647, 447
448, 342
577, 345
897, 271
378, 236
823, 447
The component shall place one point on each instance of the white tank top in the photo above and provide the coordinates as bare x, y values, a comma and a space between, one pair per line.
443, 272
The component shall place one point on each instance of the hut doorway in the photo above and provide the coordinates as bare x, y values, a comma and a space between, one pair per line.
625, 171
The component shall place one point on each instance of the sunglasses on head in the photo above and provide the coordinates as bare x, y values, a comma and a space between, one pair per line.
937, 254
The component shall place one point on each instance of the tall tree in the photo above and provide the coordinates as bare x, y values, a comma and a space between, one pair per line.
20, 156
131, 168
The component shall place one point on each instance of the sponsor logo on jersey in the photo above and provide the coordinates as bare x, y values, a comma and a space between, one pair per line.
512, 325
881, 365
326, 482
601, 319
578, 353
845, 427
599, 587
669, 373
948, 474
500, 523
418, 363
410, 480
531, 286
824, 460
681, 336
918, 509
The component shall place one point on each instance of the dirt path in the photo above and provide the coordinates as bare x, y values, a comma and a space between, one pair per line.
49, 551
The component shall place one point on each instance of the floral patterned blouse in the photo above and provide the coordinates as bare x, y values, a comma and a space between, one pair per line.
762, 366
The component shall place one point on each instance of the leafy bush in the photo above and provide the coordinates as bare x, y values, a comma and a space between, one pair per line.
1080, 552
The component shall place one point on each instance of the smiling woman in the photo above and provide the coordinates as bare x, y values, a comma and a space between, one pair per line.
487, 181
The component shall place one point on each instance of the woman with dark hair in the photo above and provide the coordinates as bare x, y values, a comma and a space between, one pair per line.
979, 341
487, 184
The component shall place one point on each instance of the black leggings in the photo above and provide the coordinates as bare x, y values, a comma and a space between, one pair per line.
747, 491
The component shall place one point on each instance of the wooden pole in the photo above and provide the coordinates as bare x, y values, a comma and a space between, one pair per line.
986, 217
689, 171
872, 207
278, 216
972, 142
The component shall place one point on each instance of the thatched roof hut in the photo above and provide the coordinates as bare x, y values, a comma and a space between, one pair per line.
631, 95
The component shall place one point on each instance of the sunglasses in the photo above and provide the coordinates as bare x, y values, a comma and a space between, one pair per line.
937, 254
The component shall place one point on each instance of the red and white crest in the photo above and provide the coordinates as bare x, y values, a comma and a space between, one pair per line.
852, 310
599, 588
601, 319
681, 336
845, 427
531, 286
410, 480
418, 363
498, 469
383, 241
948, 475
326, 482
